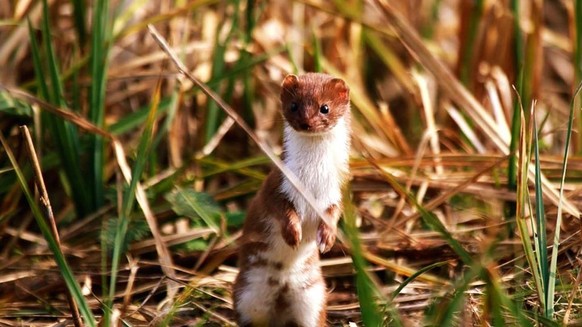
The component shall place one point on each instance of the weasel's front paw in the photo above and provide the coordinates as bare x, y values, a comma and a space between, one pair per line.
325, 237
292, 233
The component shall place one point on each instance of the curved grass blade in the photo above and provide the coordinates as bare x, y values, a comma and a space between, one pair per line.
415, 275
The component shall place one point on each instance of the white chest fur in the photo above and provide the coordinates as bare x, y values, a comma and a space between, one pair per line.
320, 162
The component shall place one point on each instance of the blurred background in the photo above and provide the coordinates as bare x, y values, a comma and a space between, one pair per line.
462, 209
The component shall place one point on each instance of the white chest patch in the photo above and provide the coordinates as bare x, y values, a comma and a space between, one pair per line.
320, 162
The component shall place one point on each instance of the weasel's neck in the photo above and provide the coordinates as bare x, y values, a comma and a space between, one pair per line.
320, 162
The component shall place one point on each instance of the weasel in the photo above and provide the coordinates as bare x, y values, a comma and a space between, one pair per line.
280, 281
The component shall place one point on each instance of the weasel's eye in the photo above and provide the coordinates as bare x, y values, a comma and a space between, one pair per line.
294, 106
324, 109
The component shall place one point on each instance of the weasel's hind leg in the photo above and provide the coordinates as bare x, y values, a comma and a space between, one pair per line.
252, 300
307, 308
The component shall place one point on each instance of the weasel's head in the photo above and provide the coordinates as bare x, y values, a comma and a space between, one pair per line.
314, 103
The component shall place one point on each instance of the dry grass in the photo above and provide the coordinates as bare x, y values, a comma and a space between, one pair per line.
433, 102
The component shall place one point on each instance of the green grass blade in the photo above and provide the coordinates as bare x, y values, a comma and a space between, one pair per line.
243, 167
556, 242
540, 236
219, 68
56, 96
578, 66
444, 310
515, 119
137, 118
367, 290
37, 63
500, 300
99, 64
79, 15
213, 112
64, 268
523, 201
171, 106
249, 92
250, 20
467, 57
64, 133
493, 306
416, 274
196, 205
76, 89
317, 54
142, 155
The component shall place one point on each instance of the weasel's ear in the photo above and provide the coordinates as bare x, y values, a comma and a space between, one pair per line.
289, 84
290, 81
340, 88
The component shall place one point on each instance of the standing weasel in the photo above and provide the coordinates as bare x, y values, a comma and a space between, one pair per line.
280, 281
